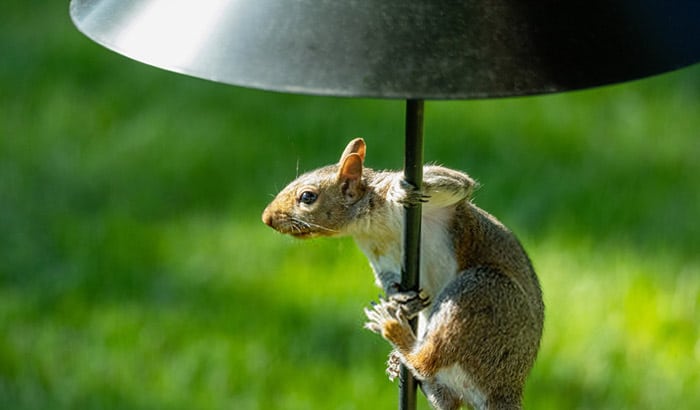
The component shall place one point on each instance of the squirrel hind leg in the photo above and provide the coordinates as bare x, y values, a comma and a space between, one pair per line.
496, 340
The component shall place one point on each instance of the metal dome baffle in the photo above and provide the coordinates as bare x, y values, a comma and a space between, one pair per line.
403, 49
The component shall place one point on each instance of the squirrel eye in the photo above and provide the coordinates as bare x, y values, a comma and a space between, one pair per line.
308, 197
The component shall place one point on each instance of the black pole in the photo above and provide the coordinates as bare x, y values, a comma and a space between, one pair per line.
410, 258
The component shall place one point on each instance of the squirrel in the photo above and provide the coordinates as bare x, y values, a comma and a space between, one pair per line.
479, 308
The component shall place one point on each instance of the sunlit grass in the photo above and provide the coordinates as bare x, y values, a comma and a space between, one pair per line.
621, 329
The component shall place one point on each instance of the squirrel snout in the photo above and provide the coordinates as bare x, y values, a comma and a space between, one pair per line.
267, 217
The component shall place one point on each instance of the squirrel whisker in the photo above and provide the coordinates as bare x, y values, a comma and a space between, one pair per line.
308, 224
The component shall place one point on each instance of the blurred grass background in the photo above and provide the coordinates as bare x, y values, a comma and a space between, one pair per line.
135, 273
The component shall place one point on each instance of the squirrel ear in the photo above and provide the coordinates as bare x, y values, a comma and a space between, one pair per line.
356, 146
350, 168
350, 177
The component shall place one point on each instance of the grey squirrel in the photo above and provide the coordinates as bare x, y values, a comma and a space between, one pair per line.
480, 310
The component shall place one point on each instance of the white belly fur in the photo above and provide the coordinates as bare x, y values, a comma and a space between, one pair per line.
461, 384
438, 268
438, 265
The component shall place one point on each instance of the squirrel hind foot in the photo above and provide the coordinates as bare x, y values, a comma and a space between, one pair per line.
393, 365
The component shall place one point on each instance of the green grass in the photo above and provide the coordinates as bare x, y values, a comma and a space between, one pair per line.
135, 272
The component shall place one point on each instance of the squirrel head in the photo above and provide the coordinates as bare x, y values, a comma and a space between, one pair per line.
321, 202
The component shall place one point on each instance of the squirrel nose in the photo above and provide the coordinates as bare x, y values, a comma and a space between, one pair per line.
267, 217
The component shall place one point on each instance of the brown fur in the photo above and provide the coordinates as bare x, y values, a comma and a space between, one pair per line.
482, 329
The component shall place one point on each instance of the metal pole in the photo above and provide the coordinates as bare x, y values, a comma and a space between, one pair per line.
410, 258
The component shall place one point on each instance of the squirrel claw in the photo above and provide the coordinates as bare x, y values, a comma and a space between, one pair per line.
411, 302
411, 195
383, 312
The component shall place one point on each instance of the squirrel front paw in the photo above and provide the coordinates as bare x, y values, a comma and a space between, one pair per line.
388, 319
410, 195
411, 302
